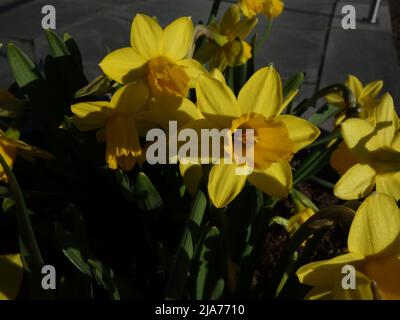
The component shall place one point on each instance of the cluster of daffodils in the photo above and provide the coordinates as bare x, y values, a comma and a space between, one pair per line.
368, 159
156, 74
185, 80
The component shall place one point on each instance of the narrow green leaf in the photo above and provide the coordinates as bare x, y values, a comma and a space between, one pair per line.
293, 83
181, 266
57, 46
210, 282
320, 222
73, 49
71, 248
143, 185
97, 87
30, 253
326, 112
280, 221
22, 67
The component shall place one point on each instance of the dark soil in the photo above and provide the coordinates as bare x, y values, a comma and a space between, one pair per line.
395, 15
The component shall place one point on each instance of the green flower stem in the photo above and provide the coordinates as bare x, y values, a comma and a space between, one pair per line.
214, 11
181, 266
264, 36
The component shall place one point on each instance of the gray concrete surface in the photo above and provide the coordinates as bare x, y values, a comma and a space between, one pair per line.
306, 37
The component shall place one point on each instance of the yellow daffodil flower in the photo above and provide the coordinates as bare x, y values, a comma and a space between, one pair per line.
375, 154
228, 47
156, 57
365, 96
123, 120
10, 146
374, 252
270, 8
276, 137
11, 271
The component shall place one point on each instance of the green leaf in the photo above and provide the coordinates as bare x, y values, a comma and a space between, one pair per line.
57, 46
280, 221
210, 282
8, 204
106, 278
30, 253
71, 248
22, 67
293, 83
143, 185
181, 266
73, 49
313, 163
98, 87
326, 112
319, 223
302, 200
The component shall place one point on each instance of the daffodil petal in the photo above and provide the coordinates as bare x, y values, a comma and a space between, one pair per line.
386, 121
372, 90
166, 109
288, 99
131, 98
224, 184
335, 99
356, 183
301, 132
193, 70
9, 153
123, 65
360, 137
217, 74
231, 17
362, 291
262, 93
376, 226
275, 181
11, 272
342, 159
389, 183
355, 85
191, 174
205, 142
323, 273
147, 37
178, 38
385, 271
320, 293
216, 101
91, 115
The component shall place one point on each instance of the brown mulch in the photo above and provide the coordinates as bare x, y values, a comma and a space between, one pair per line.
395, 14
